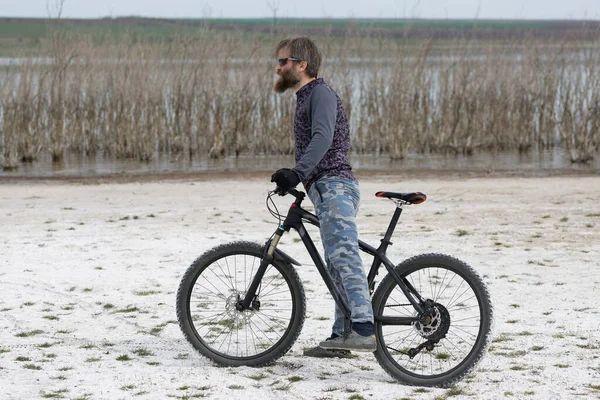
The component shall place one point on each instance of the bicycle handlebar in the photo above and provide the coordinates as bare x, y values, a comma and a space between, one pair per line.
299, 195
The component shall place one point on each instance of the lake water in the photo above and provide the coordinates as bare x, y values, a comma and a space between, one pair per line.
538, 163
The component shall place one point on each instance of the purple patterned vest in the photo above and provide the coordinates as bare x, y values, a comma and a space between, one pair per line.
335, 160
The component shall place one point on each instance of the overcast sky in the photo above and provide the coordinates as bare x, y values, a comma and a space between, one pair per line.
481, 9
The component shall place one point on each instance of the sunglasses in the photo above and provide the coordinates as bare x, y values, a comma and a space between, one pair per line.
283, 61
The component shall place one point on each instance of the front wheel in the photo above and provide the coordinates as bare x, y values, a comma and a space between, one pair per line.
447, 343
212, 287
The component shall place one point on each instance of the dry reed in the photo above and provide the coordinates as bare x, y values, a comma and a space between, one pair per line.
211, 96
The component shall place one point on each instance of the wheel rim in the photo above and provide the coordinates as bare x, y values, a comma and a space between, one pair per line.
456, 308
240, 334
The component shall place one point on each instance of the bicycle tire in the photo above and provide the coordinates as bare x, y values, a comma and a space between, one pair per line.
206, 311
468, 331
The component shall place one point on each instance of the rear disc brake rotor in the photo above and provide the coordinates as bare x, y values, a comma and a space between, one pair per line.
435, 324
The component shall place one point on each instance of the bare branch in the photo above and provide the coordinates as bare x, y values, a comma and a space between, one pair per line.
57, 8
274, 6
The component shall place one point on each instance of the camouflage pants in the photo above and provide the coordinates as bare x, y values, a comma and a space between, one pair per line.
336, 203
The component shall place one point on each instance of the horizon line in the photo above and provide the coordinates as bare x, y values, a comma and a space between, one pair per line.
310, 18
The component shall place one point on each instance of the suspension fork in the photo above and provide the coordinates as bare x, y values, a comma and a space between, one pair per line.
291, 220
268, 256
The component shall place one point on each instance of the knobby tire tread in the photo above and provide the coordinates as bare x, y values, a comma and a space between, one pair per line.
482, 343
198, 266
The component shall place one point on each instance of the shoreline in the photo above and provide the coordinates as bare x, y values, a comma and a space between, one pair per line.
453, 174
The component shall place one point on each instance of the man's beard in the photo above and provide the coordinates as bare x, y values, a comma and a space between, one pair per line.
287, 79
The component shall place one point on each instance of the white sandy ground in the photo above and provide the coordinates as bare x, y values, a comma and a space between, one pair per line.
73, 256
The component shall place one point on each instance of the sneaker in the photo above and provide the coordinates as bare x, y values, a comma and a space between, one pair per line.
320, 352
352, 341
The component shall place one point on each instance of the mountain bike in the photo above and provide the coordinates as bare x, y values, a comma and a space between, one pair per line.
243, 304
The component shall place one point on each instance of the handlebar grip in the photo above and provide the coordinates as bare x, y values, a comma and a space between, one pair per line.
294, 192
279, 191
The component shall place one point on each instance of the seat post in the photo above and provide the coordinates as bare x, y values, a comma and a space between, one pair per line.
385, 242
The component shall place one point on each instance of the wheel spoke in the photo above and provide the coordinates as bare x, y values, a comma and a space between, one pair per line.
249, 334
452, 332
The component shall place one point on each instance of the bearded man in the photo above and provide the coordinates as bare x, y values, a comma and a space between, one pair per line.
322, 142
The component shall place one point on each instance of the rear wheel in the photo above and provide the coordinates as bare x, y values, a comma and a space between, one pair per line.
207, 298
447, 342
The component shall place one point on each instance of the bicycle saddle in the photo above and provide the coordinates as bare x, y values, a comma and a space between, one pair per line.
411, 198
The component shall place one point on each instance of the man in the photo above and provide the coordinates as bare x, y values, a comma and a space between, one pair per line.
322, 141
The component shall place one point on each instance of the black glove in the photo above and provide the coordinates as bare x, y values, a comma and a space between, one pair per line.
285, 178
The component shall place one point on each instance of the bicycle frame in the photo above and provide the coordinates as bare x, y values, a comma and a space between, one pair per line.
295, 219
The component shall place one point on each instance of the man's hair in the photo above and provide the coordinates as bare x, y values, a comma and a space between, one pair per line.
304, 49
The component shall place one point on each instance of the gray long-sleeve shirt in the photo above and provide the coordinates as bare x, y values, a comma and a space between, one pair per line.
321, 132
